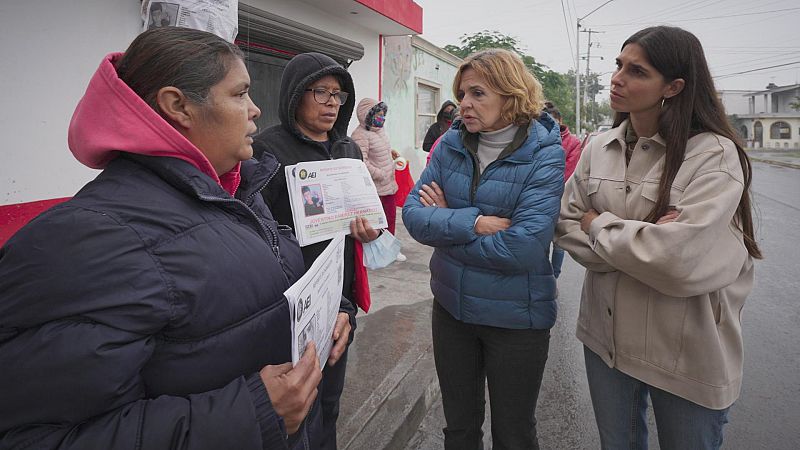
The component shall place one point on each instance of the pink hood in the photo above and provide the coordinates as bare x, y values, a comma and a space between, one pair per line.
111, 118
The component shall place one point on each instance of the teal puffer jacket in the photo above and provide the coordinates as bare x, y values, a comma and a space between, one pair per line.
505, 279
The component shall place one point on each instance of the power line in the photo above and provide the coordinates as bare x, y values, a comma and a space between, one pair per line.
678, 13
706, 18
755, 70
738, 15
772, 59
666, 10
567, 30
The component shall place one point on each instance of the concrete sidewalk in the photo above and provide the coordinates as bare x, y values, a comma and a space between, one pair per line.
779, 157
391, 379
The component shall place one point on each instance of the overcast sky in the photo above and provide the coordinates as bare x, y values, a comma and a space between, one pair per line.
751, 37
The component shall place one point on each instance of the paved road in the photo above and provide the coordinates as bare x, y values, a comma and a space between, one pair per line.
767, 415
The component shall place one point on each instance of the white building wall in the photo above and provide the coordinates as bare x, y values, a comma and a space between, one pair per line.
767, 142
404, 66
49, 51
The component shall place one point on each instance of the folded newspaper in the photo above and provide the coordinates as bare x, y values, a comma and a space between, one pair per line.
326, 196
314, 302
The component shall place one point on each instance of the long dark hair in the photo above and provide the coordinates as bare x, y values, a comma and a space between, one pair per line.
677, 53
190, 60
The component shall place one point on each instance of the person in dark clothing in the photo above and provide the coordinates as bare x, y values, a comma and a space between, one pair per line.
316, 101
148, 310
443, 120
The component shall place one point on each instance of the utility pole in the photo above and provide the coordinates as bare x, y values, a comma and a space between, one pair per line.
588, 61
577, 69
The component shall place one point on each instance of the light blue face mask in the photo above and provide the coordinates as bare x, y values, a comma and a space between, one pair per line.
382, 251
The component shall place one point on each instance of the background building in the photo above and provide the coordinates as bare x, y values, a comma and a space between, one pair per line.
771, 120
50, 49
417, 78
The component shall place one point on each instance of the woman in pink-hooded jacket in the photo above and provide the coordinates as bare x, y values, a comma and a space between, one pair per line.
378, 155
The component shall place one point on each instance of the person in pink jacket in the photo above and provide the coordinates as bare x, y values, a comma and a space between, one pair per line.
378, 155
572, 153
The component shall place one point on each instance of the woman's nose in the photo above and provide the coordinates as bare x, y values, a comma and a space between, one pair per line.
616, 79
255, 111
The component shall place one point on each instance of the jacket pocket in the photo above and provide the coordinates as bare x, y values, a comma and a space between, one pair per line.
666, 318
599, 292
650, 192
592, 186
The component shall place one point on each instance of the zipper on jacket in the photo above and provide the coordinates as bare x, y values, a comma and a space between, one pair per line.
267, 233
276, 241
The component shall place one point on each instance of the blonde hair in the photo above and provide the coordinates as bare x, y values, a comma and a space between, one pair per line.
506, 74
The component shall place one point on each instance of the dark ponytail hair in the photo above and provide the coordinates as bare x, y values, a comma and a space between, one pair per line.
190, 60
677, 53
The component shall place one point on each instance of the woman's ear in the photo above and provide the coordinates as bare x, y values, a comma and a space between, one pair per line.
174, 106
674, 87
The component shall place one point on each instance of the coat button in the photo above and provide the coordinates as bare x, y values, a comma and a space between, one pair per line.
628, 189
645, 146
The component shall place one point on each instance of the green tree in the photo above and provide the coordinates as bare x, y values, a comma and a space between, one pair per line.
559, 88
795, 104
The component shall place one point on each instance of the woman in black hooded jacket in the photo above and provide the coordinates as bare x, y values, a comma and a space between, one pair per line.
316, 102
443, 120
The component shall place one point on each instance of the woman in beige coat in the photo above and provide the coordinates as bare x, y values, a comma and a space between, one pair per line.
378, 155
658, 212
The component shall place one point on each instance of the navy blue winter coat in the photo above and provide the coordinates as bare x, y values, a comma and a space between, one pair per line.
139, 313
505, 279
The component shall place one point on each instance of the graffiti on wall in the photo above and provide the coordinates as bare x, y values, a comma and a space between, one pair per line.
400, 55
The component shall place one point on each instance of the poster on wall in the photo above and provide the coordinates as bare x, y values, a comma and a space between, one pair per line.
220, 17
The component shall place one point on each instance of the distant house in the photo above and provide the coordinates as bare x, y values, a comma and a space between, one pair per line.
770, 121
734, 101
417, 78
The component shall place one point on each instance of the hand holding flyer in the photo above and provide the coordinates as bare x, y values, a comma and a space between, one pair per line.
326, 196
314, 302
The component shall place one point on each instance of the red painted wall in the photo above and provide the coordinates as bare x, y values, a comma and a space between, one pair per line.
404, 12
14, 217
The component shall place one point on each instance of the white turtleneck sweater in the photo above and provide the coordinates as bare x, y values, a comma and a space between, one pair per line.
492, 143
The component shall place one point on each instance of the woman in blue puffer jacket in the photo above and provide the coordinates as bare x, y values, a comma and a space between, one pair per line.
488, 204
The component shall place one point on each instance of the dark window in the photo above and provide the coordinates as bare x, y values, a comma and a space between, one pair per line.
780, 130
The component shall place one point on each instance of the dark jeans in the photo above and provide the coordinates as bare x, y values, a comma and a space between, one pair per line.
330, 392
513, 363
557, 259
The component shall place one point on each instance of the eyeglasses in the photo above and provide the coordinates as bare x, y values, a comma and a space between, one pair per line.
322, 95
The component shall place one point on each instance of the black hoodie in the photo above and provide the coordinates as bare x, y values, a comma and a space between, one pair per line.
290, 146
438, 128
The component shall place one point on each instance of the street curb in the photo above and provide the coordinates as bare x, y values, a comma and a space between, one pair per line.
394, 411
776, 163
